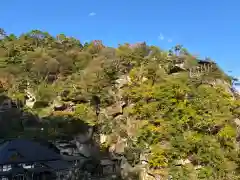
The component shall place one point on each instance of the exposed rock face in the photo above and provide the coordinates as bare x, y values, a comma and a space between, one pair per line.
237, 122
103, 138
119, 146
57, 102
90, 150
227, 86
221, 83
82, 144
84, 137
180, 65
182, 162
144, 175
123, 80
31, 99
116, 109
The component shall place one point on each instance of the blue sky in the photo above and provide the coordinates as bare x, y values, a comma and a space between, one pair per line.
207, 27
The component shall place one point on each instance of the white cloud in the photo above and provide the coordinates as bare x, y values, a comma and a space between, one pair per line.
161, 37
92, 14
169, 40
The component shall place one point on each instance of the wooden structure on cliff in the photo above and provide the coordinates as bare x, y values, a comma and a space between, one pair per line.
203, 67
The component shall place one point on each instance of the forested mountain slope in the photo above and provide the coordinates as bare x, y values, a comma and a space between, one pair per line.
177, 113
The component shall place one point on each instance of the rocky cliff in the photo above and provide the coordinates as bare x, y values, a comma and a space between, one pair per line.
159, 114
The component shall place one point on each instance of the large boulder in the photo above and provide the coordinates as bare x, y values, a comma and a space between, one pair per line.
123, 81
115, 109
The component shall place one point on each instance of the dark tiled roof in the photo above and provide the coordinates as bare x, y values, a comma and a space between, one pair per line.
27, 151
58, 165
200, 61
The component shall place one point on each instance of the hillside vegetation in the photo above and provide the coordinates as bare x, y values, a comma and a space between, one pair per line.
185, 127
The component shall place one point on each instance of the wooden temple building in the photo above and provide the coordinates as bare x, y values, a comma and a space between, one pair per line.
202, 67
22, 159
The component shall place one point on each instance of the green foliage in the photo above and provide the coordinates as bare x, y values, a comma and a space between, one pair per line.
86, 113
158, 159
45, 92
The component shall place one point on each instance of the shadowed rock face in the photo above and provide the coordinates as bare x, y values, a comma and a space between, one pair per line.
91, 161
81, 143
